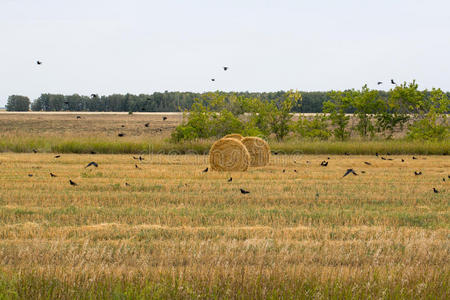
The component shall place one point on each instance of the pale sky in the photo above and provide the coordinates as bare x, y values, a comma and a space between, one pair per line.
137, 46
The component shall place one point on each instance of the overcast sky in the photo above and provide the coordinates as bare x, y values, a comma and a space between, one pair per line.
137, 46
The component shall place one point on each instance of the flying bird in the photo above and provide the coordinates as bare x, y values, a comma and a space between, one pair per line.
367, 163
231, 179
52, 175
147, 124
324, 163
392, 81
213, 79
244, 191
379, 82
417, 173
205, 170
435, 190
57, 156
92, 163
121, 134
72, 182
349, 171
39, 62
94, 95
225, 68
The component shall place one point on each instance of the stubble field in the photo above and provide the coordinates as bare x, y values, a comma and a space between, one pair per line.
177, 232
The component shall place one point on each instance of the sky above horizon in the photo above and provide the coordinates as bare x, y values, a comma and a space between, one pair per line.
137, 46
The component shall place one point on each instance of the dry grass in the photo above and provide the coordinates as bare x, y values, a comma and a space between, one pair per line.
176, 232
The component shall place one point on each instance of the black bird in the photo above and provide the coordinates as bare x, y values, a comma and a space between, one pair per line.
92, 163
307, 161
52, 175
134, 157
275, 153
387, 153
205, 170
121, 134
392, 81
164, 118
376, 154
39, 62
136, 166
122, 126
379, 82
368, 163
93, 152
346, 153
364, 172
414, 157
30, 175
324, 163
231, 179
328, 158
417, 173
213, 79
225, 68
435, 190
34, 151
127, 184
383, 158
78, 117
448, 176
295, 171
140, 158
389, 159
443, 179
244, 191
72, 183
94, 95
57, 156
147, 124
284, 171
349, 171
403, 160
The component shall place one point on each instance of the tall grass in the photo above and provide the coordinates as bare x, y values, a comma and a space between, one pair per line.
164, 146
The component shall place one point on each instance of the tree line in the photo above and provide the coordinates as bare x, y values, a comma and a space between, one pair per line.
156, 102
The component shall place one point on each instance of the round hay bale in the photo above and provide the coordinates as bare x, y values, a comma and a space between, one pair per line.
259, 151
229, 154
234, 136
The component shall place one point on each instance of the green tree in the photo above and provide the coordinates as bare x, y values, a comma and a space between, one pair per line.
280, 117
18, 103
366, 103
336, 107
314, 128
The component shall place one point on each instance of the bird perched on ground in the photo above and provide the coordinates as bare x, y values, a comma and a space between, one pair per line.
225, 68
443, 179
205, 170
39, 62
93, 152
346, 153
379, 82
30, 175
367, 163
140, 158
376, 154
275, 153
324, 163
147, 124
78, 117
164, 118
121, 135
392, 81
435, 190
34, 151
244, 191
72, 182
92, 163
417, 173
230, 179
383, 158
364, 172
349, 171
127, 184
136, 166
122, 126
295, 171
328, 158
284, 171
414, 157
403, 160
52, 175
57, 156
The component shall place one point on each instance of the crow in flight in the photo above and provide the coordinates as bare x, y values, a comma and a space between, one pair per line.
435, 190
92, 163
213, 79
379, 82
52, 175
324, 163
205, 170
94, 95
57, 156
39, 62
349, 171
368, 163
244, 191
417, 173
147, 124
225, 68
72, 183
231, 179
392, 81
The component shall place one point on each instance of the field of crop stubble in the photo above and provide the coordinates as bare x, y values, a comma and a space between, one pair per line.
176, 232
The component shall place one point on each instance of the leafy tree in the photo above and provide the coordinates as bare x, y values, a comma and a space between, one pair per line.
336, 108
366, 103
315, 128
18, 103
280, 117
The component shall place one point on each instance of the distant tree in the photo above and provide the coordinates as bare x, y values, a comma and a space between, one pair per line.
280, 117
336, 107
18, 103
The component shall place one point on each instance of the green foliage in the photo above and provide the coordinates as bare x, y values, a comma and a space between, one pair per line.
280, 116
18, 103
366, 104
336, 108
314, 129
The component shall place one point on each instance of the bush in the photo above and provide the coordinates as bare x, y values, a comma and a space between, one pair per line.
314, 129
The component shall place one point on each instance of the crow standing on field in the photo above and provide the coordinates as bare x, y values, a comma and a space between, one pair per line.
231, 179
244, 191
78, 117
92, 163
57, 156
367, 163
72, 182
147, 124
121, 135
164, 118
417, 173
34, 151
205, 170
435, 190
52, 175
324, 163
136, 166
414, 157
349, 171
127, 184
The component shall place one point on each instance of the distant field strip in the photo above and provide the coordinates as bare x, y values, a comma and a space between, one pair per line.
168, 230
